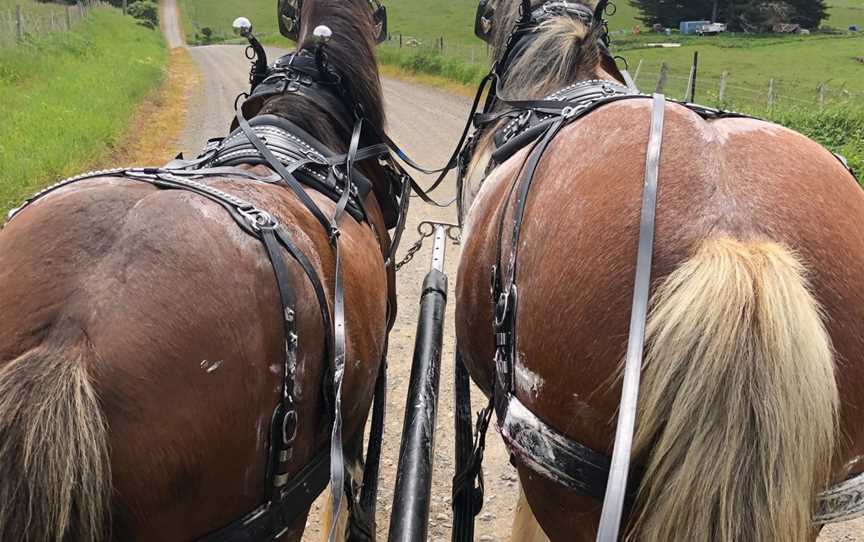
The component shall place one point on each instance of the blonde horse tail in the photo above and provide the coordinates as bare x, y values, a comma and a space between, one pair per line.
738, 404
54, 468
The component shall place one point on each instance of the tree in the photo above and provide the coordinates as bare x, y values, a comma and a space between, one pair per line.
751, 15
809, 13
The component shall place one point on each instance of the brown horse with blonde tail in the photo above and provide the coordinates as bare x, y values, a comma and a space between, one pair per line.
750, 409
143, 344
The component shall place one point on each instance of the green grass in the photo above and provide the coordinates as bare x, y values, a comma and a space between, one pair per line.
841, 129
798, 67
65, 98
31, 6
843, 13
219, 14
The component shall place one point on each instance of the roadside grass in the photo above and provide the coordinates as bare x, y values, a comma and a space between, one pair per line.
66, 98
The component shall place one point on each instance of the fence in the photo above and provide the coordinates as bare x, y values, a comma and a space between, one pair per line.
31, 19
713, 89
725, 90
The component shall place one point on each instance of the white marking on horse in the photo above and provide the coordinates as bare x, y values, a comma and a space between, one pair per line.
722, 130
527, 381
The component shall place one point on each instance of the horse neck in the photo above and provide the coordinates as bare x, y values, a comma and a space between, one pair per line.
351, 51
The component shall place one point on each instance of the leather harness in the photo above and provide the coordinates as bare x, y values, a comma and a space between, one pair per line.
298, 160
531, 441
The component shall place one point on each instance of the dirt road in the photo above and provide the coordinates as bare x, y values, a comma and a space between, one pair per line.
427, 123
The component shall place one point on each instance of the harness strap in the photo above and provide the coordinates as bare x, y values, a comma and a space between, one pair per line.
270, 520
616, 490
337, 458
287, 177
468, 486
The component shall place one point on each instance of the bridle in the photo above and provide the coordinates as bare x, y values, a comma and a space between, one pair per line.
532, 442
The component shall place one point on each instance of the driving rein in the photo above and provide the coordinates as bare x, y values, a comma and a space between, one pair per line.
298, 160
531, 441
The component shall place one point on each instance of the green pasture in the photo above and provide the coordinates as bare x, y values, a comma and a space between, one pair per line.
66, 97
217, 15
844, 13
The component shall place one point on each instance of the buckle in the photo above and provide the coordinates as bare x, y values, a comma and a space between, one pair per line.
256, 218
504, 307
289, 427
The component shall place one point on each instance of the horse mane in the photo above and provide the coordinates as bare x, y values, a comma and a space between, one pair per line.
351, 52
564, 51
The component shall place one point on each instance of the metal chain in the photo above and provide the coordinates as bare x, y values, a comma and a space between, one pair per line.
426, 229
412, 250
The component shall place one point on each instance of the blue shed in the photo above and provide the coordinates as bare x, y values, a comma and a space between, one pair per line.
690, 27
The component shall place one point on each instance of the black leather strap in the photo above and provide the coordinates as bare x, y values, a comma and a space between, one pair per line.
270, 520
287, 177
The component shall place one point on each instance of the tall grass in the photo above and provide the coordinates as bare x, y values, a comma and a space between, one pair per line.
66, 98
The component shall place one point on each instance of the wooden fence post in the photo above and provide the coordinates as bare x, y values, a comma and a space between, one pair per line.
19, 24
68, 18
636, 73
822, 90
771, 93
664, 75
124, 7
721, 97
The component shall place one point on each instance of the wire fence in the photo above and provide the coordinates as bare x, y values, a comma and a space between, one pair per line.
36, 19
724, 90
713, 89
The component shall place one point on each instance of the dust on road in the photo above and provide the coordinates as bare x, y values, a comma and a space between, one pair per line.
426, 123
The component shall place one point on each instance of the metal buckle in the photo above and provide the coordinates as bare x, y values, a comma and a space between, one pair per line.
256, 218
504, 307
289, 427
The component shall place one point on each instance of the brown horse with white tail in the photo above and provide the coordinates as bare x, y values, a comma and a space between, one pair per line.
751, 403
179, 344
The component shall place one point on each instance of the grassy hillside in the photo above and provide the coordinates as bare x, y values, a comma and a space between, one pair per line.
65, 98
845, 12
219, 14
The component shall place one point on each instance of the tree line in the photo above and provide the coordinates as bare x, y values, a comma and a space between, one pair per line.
746, 15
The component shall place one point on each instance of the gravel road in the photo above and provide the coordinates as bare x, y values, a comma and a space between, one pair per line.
426, 123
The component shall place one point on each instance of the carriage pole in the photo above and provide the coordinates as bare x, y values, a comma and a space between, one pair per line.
409, 518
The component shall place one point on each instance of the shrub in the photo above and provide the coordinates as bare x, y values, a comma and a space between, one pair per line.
145, 11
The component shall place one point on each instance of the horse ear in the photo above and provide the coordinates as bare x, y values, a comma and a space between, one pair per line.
483, 20
289, 18
379, 21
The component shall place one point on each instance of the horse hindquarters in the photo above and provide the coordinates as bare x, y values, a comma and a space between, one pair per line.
738, 403
54, 466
